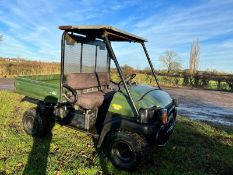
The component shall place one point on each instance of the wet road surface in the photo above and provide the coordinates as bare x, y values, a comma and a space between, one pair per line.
206, 105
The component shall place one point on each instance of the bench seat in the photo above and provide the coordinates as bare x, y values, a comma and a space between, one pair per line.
82, 81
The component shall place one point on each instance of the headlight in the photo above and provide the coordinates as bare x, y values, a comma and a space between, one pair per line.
146, 115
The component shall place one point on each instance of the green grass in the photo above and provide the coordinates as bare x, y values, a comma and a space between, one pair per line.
194, 148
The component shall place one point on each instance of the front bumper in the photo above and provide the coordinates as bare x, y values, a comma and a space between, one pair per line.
164, 131
152, 128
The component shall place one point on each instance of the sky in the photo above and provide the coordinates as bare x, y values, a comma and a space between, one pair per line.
30, 28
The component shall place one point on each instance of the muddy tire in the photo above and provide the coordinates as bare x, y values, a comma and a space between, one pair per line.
126, 150
35, 124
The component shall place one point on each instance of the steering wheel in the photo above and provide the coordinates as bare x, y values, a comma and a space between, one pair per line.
70, 94
127, 79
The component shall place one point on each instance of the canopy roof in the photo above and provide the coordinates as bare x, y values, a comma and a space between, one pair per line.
96, 31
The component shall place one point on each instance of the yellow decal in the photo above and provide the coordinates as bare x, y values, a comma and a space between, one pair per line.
53, 93
116, 106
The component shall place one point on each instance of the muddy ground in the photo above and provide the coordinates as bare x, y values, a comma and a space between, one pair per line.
206, 105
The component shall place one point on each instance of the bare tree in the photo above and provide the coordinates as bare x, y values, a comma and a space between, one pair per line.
127, 69
194, 57
171, 60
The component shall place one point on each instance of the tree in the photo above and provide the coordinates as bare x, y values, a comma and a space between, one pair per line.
194, 57
1, 38
127, 69
171, 60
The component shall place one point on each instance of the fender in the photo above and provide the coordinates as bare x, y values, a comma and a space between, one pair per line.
119, 123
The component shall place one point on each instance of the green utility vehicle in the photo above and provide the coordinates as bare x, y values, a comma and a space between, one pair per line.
124, 117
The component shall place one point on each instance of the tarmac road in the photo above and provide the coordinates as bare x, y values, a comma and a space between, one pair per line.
205, 105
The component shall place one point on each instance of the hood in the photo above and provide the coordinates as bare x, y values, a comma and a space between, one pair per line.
148, 96
144, 97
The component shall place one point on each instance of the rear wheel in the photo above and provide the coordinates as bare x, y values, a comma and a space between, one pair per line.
126, 150
35, 124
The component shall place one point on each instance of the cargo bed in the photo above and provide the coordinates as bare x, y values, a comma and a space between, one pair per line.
40, 87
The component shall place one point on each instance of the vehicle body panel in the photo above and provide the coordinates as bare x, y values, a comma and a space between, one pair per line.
40, 87
144, 97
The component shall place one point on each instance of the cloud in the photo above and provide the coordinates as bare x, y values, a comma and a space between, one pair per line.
176, 28
30, 28
33, 25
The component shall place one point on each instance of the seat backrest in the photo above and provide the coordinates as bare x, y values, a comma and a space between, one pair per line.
81, 81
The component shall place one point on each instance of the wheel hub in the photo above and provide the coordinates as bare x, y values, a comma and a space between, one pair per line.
123, 151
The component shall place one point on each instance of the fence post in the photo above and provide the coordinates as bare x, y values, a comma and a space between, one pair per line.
219, 84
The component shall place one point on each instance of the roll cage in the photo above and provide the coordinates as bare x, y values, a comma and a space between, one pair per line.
107, 34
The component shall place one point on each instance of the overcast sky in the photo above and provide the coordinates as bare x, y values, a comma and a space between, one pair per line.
30, 28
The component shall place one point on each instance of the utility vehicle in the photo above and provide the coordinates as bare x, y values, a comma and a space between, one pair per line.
124, 119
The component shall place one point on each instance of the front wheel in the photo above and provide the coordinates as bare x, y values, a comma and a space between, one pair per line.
126, 150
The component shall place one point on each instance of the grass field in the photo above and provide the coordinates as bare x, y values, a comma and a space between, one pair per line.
195, 148
25, 67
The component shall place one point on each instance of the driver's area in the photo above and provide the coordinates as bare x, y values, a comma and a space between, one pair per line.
86, 72
86, 80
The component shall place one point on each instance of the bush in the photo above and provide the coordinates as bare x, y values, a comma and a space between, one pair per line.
230, 83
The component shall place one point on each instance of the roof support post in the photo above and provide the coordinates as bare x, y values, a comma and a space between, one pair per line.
81, 58
62, 63
96, 57
113, 56
151, 65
